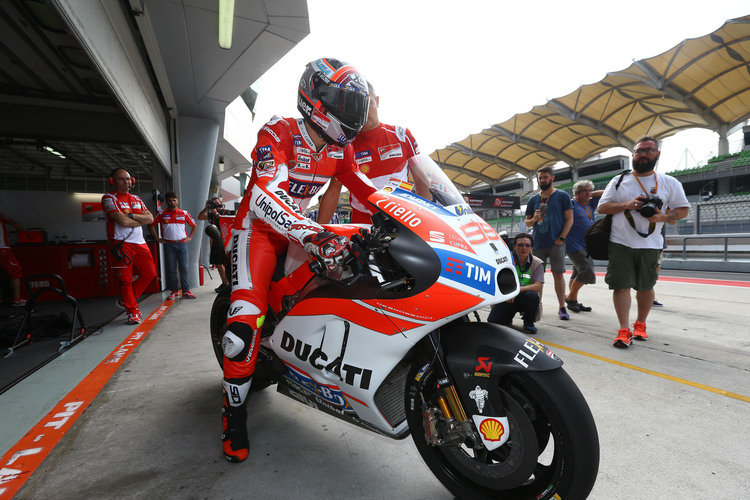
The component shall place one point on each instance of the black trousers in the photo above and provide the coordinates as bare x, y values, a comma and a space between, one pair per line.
526, 303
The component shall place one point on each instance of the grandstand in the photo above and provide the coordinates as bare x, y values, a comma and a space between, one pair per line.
719, 195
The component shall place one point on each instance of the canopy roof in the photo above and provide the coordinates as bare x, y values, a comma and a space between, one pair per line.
702, 82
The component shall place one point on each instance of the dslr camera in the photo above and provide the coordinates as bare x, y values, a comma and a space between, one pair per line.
213, 205
650, 204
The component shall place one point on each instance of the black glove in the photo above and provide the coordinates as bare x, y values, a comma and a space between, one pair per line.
328, 247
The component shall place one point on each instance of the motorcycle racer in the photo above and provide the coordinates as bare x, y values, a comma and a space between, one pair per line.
382, 152
292, 160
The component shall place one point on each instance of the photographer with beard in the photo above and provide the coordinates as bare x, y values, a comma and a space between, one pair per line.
640, 207
550, 215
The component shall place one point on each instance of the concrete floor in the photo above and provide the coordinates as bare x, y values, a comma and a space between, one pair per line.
666, 430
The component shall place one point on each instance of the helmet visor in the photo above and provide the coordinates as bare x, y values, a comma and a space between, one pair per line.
347, 104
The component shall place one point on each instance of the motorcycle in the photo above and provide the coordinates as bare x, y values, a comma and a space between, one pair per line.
391, 342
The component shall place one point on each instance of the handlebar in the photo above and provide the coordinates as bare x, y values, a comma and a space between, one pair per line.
366, 249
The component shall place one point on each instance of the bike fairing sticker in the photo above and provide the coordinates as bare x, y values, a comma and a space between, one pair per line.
435, 226
330, 394
406, 195
494, 430
467, 271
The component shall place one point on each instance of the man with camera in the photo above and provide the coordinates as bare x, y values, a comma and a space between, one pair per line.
640, 206
218, 256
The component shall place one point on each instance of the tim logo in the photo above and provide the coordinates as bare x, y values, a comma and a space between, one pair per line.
454, 266
264, 153
467, 271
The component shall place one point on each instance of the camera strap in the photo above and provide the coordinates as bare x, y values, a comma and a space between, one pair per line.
651, 225
629, 216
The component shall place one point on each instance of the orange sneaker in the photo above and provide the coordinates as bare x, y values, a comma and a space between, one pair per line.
624, 338
639, 331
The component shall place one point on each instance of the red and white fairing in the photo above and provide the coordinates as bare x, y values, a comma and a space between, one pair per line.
379, 332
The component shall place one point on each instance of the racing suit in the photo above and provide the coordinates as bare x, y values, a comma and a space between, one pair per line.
381, 153
287, 173
132, 247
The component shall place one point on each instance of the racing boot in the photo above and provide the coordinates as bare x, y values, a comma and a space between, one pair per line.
234, 439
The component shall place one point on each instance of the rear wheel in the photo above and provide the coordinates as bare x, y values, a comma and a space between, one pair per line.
553, 447
219, 311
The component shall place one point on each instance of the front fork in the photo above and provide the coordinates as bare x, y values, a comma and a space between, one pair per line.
447, 424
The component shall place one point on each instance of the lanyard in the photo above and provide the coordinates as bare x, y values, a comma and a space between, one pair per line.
588, 211
523, 277
656, 180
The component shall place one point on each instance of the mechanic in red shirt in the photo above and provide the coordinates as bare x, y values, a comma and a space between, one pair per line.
382, 152
292, 160
174, 240
8, 261
126, 213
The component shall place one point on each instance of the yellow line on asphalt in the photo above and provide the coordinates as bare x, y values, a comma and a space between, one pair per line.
708, 388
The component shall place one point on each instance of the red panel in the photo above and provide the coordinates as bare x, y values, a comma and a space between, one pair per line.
83, 267
356, 313
437, 302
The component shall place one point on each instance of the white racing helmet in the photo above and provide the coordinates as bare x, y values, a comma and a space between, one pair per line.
333, 98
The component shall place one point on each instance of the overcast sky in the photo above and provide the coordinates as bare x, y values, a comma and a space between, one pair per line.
448, 69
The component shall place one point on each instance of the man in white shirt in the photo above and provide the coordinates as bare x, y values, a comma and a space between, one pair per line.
640, 206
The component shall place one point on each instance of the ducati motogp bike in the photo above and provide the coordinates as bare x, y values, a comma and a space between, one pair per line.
392, 342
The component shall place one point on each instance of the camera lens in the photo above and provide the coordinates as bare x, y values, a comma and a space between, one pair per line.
648, 210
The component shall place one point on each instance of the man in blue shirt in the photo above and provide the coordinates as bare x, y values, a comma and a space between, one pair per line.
585, 201
550, 215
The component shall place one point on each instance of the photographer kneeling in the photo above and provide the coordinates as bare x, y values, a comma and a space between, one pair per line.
530, 271
218, 256
640, 206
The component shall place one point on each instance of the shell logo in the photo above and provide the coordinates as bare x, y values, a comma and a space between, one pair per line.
492, 429
364, 169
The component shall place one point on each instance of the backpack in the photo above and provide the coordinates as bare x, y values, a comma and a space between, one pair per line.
597, 236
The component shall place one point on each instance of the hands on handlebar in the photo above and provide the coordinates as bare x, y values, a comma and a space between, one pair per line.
329, 248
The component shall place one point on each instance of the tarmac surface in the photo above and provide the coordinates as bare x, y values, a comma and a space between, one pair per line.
672, 413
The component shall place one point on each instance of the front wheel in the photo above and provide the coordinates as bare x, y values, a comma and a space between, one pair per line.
552, 452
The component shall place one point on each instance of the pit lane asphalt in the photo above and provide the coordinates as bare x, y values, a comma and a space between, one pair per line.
672, 412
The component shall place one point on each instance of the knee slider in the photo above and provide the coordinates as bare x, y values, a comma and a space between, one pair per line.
236, 341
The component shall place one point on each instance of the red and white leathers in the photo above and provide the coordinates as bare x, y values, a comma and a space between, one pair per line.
8, 261
173, 224
133, 248
287, 173
381, 153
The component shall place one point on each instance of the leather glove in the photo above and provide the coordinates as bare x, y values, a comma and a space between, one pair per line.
332, 249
